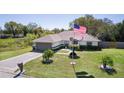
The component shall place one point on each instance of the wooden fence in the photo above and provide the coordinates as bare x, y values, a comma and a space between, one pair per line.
112, 44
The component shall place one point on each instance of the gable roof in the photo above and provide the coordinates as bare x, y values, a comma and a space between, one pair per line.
65, 35
88, 37
48, 39
44, 39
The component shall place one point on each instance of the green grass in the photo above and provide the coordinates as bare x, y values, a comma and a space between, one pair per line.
11, 44
8, 54
88, 62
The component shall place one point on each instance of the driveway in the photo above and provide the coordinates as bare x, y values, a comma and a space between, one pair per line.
9, 66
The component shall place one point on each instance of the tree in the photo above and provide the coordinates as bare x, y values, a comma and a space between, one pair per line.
107, 21
56, 30
25, 30
104, 29
31, 27
38, 31
11, 26
1, 31
62, 29
90, 22
47, 54
19, 28
120, 29
107, 61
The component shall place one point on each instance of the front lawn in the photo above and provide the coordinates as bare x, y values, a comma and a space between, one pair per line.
11, 44
8, 54
86, 66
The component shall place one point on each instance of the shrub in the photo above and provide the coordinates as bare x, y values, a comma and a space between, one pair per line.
106, 60
14, 43
31, 36
47, 54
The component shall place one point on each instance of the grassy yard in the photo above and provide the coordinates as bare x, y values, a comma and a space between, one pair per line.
9, 44
10, 47
86, 66
8, 54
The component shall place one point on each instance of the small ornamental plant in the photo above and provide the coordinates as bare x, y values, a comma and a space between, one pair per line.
47, 55
106, 60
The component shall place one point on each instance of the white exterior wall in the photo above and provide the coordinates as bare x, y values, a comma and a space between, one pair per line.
94, 43
85, 43
82, 43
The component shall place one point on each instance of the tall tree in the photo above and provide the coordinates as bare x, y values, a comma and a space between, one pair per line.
38, 31
120, 28
56, 30
1, 31
104, 29
107, 21
11, 26
31, 27
19, 29
25, 30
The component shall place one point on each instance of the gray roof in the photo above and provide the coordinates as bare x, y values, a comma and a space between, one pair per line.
88, 37
48, 39
44, 39
65, 35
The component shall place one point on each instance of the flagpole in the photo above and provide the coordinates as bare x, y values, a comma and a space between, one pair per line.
73, 44
73, 63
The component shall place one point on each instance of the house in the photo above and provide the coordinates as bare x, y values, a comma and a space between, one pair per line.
62, 39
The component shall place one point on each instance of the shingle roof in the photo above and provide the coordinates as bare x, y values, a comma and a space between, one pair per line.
65, 35
88, 37
44, 39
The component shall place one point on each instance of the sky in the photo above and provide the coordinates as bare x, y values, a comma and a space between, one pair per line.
51, 21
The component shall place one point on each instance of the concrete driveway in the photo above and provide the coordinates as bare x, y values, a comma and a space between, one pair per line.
8, 66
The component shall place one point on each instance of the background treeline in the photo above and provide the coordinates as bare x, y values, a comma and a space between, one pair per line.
104, 29
17, 36
17, 30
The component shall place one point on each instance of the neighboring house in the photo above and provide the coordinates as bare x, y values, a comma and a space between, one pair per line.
62, 39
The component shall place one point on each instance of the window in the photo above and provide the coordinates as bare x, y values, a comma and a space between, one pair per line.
89, 43
75, 41
94, 43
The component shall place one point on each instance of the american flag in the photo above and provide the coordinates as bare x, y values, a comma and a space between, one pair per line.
79, 31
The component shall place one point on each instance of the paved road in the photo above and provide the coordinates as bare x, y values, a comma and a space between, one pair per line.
8, 66
4, 74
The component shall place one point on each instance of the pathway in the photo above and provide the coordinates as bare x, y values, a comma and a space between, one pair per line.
9, 66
